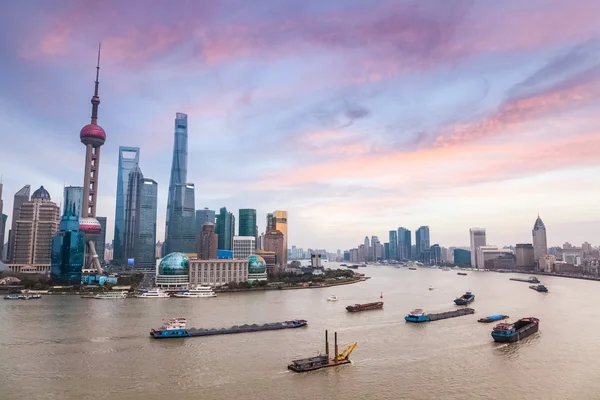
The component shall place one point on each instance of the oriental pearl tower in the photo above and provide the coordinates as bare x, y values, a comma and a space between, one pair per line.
93, 137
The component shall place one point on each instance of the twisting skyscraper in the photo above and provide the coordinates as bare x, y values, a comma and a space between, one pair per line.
93, 137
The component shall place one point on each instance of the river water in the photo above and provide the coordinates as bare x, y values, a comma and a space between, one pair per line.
65, 347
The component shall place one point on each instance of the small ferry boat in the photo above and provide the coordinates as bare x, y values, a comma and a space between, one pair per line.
492, 318
176, 328
461, 273
22, 297
412, 268
333, 297
12, 297
416, 315
531, 279
354, 266
154, 294
508, 333
107, 295
365, 307
464, 299
323, 360
431, 287
539, 288
343, 265
198, 292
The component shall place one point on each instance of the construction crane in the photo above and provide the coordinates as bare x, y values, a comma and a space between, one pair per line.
346, 353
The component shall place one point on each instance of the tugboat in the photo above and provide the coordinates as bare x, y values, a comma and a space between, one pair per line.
493, 318
323, 360
508, 333
464, 299
365, 307
412, 268
539, 288
416, 315
461, 273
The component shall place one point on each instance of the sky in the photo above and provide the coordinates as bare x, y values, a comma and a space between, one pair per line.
355, 116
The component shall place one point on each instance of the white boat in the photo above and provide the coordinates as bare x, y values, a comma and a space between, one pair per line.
154, 294
110, 295
431, 287
333, 297
445, 269
198, 292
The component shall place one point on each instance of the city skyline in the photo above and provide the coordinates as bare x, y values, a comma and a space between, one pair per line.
491, 130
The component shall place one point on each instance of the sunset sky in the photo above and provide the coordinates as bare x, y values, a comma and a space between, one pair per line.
356, 116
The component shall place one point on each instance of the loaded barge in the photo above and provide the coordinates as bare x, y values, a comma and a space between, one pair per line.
464, 299
419, 315
176, 328
493, 318
508, 333
531, 279
365, 307
323, 360
539, 288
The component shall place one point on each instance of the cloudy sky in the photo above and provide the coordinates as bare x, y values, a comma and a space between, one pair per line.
356, 116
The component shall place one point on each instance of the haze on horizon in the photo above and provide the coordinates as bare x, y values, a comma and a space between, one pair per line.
356, 117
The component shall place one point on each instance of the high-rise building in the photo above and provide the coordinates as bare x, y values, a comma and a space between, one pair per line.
129, 158
101, 240
376, 249
145, 229
386, 251
274, 241
131, 214
393, 244
68, 249
37, 224
178, 169
93, 137
436, 254
208, 242
422, 242
281, 225
182, 224
73, 197
524, 256
247, 223
462, 257
2, 223
20, 197
540, 244
477, 236
225, 229
270, 222
203, 216
404, 244
243, 246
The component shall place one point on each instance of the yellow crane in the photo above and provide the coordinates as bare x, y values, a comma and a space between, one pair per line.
346, 353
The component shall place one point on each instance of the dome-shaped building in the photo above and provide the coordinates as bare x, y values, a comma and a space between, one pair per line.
257, 268
41, 194
173, 270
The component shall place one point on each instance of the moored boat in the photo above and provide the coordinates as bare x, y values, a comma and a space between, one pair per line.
508, 333
365, 307
539, 288
176, 328
154, 294
466, 298
197, 292
107, 295
531, 279
416, 315
12, 297
492, 318
323, 360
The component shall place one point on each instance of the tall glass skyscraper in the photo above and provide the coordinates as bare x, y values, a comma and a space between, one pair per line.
247, 222
203, 216
404, 244
182, 227
178, 171
422, 242
145, 249
393, 246
131, 213
68, 249
129, 158
101, 241
73, 197
225, 229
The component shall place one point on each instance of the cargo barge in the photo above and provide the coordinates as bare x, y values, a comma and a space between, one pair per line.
323, 360
492, 318
365, 307
419, 315
461, 273
464, 299
531, 279
539, 288
509, 333
176, 328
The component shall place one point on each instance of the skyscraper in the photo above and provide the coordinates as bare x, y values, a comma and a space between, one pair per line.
68, 249
182, 225
540, 244
131, 214
274, 241
422, 242
203, 216
101, 240
270, 222
93, 137
207, 243
178, 168
247, 222
1, 225
145, 229
243, 246
477, 236
129, 158
37, 224
20, 197
3, 220
225, 229
393, 246
281, 225
73, 196
404, 244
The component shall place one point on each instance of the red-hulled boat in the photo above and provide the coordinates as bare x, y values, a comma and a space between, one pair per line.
365, 307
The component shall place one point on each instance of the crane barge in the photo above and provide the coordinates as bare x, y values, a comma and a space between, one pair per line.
323, 360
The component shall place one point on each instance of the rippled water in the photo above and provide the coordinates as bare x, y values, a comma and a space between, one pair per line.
65, 347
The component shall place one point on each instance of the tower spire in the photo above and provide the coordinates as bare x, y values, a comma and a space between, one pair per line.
96, 98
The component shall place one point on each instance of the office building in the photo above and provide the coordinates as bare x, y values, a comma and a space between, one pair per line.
386, 251
477, 236
540, 244
178, 170
225, 229
274, 241
68, 248
462, 257
73, 197
207, 242
203, 216
393, 245
129, 158
3, 245
436, 254
247, 223
101, 240
524, 256
422, 242
37, 223
270, 222
281, 225
404, 244
20, 197
243, 247
145, 229
217, 272
131, 214
270, 258
182, 224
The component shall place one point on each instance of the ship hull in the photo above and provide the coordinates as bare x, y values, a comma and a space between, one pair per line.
364, 307
463, 302
292, 367
416, 319
179, 333
521, 333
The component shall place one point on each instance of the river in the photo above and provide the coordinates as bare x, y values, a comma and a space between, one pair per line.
65, 347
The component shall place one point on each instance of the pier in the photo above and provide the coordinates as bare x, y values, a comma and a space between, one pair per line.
451, 314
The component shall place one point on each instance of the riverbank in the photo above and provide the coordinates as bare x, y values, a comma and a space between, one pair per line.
531, 273
294, 287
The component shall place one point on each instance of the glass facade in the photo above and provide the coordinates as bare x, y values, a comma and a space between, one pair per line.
182, 227
178, 169
174, 264
128, 160
203, 216
67, 254
225, 229
281, 225
145, 254
393, 243
247, 222
386, 251
131, 213
73, 197
404, 244
422, 242
100, 242
462, 257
